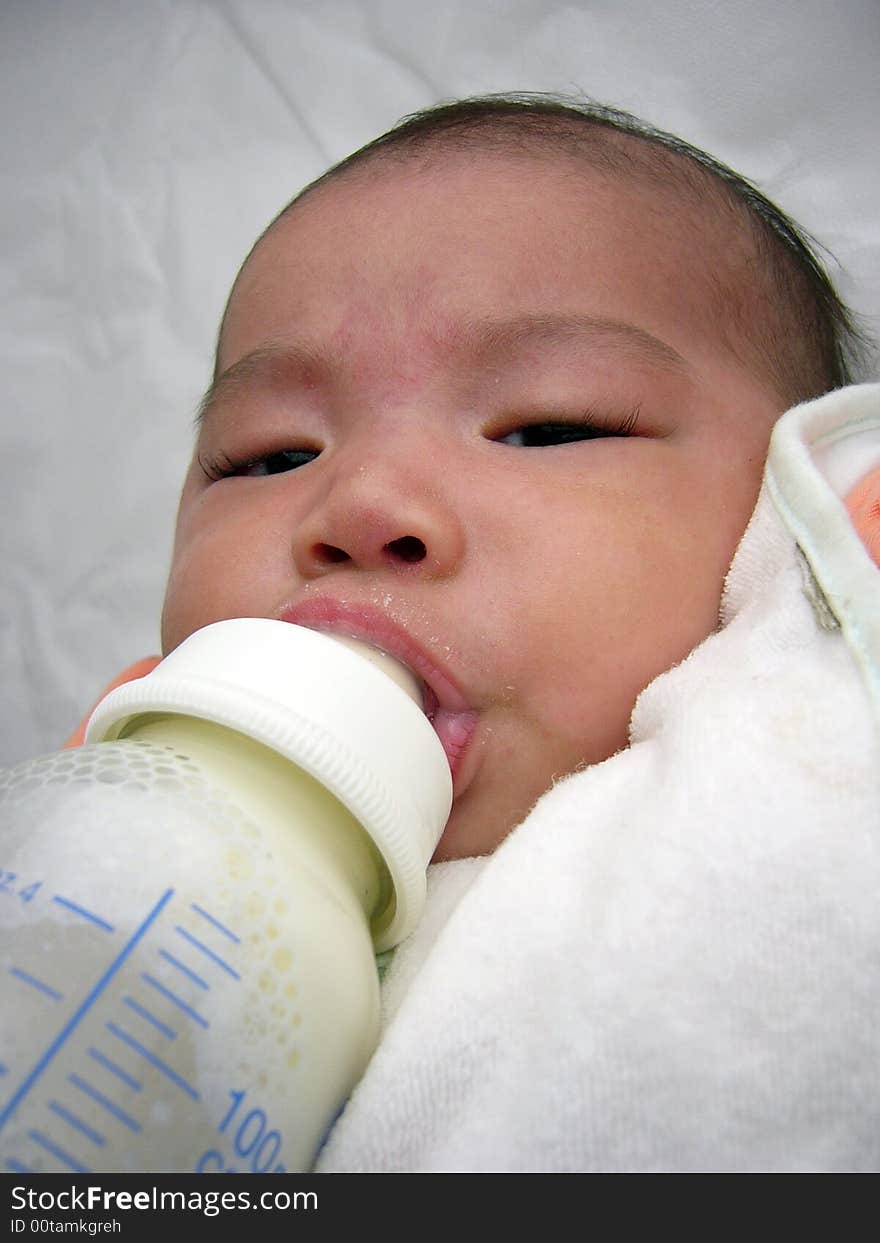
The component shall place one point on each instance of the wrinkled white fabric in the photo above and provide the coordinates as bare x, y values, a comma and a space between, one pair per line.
673, 964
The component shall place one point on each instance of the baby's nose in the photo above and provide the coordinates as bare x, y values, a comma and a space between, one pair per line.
381, 518
406, 548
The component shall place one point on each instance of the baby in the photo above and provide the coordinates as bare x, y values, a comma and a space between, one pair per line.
495, 394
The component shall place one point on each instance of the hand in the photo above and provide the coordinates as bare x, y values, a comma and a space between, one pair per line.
863, 504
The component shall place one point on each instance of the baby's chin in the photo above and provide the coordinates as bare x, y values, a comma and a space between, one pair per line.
477, 826
499, 797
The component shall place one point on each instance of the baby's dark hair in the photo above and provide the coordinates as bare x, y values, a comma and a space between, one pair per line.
781, 304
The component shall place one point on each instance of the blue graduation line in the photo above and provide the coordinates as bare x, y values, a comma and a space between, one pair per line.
17, 1167
175, 1000
216, 922
175, 1078
108, 1064
44, 1142
77, 1123
175, 962
77, 1017
187, 936
100, 1099
81, 910
144, 1013
39, 985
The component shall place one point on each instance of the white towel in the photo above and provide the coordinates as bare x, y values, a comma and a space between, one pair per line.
673, 964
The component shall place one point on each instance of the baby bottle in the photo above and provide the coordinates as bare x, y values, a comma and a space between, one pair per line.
192, 902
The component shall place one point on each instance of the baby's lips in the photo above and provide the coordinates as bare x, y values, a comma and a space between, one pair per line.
139, 669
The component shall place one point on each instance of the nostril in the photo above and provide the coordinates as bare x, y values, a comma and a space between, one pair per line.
328, 553
407, 548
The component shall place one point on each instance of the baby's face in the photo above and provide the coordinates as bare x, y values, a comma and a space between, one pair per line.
481, 415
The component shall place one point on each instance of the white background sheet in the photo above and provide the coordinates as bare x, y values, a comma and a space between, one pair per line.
144, 145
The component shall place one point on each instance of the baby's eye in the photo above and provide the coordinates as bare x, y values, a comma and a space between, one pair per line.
223, 467
277, 463
541, 435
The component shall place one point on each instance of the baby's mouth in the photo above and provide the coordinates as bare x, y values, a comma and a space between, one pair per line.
453, 720
454, 729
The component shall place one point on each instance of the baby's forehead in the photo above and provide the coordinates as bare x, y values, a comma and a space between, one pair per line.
665, 184
670, 216
769, 295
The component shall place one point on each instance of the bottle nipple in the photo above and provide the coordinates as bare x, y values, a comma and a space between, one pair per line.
392, 668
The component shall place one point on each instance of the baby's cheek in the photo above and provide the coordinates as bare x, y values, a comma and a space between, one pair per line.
581, 716
193, 594
227, 568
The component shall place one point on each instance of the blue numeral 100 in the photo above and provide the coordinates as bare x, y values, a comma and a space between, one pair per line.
251, 1138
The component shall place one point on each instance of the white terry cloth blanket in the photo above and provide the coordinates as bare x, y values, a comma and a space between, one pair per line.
673, 964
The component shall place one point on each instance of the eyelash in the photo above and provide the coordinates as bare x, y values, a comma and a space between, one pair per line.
221, 466
573, 431
536, 435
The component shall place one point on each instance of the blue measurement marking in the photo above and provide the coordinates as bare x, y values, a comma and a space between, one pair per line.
17, 1167
108, 1064
187, 936
175, 1078
39, 985
175, 1000
58, 1152
168, 1032
104, 1101
77, 1017
3, 1070
77, 1123
216, 922
81, 910
175, 962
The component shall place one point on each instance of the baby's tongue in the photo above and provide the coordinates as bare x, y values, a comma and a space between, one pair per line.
454, 729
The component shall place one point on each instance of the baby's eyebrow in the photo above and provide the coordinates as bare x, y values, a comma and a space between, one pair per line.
497, 335
260, 364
